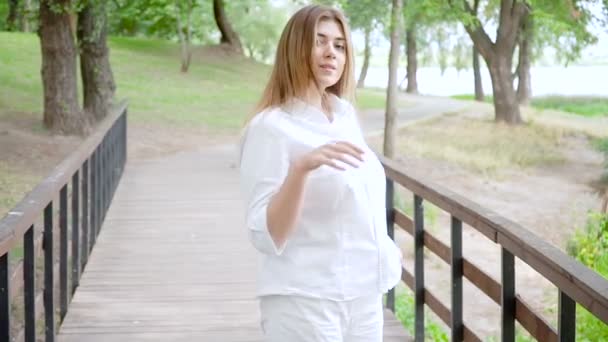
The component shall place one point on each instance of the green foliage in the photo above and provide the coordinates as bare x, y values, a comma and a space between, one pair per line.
590, 247
3, 14
564, 26
218, 92
158, 18
404, 311
259, 25
257, 22
366, 14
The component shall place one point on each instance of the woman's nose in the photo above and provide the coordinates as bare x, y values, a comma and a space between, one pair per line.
330, 51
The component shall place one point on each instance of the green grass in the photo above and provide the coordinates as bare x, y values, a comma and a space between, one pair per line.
587, 106
218, 91
370, 99
404, 311
483, 146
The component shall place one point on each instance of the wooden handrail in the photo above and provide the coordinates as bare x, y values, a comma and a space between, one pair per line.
573, 279
24, 214
93, 170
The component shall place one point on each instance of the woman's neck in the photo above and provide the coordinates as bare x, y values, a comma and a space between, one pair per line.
319, 99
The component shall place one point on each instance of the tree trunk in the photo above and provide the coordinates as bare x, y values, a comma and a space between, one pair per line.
25, 15
412, 61
61, 112
499, 55
505, 101
97, 78
11, 19
229, 36
479, 96
524, 84
184, 39
390, 128
366, 56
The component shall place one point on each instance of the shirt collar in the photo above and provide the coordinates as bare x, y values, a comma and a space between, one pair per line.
299, 108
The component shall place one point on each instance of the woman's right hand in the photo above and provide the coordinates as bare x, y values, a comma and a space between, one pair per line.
328, 154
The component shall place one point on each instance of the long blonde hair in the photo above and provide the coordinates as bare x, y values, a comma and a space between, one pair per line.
292, 69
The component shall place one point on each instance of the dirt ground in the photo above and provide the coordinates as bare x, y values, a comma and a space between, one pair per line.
28, 153
550, 201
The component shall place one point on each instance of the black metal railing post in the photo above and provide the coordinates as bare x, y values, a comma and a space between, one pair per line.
419, 268
456, 236
49, 306
508, 296
75, 231
63, 252
29, 285
86, 218
567, 318
390, 227
5, 299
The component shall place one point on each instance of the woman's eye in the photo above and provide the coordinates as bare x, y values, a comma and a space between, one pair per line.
340, 47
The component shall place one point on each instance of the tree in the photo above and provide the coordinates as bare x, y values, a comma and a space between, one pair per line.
524, 83
11, 19
479, 96
412, 60
25, 9
97, 78
259, 25
367, 54
390, 128
498, 55
424, 23
229, 36
184, 37
61, 111
366, 16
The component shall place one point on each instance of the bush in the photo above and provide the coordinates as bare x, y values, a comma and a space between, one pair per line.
590, 247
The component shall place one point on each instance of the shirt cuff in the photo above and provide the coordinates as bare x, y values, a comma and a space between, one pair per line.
260, 236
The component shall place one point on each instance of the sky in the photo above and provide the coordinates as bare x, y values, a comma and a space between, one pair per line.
594, 52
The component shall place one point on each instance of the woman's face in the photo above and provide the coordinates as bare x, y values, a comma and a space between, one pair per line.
328, 54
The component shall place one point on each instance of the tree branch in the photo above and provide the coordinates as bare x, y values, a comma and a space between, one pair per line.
509, 29
478, 35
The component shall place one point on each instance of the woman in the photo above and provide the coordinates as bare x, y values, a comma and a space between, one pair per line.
315, 193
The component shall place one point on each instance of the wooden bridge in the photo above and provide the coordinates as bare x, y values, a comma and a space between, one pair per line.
155, 251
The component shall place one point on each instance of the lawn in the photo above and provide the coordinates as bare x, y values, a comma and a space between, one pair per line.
588, 106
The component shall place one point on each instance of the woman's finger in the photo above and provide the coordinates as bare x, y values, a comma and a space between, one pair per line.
341, 157
347, 149
331, 163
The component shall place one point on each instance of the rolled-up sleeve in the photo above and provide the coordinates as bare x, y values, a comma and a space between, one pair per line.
263, 167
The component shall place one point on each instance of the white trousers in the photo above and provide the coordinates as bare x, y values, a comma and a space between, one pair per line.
302, 319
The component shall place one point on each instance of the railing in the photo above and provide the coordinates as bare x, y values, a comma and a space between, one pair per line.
576, 283
93, 171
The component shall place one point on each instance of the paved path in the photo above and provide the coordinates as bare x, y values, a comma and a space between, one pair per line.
416, 109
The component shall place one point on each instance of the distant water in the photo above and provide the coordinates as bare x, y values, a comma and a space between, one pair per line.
573, 80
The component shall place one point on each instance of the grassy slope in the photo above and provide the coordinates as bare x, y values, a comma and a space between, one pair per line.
218, 91
588, 106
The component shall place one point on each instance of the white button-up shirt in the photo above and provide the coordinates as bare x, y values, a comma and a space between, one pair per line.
340, 249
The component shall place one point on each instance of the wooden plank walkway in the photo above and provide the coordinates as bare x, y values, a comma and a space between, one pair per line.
172, 262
